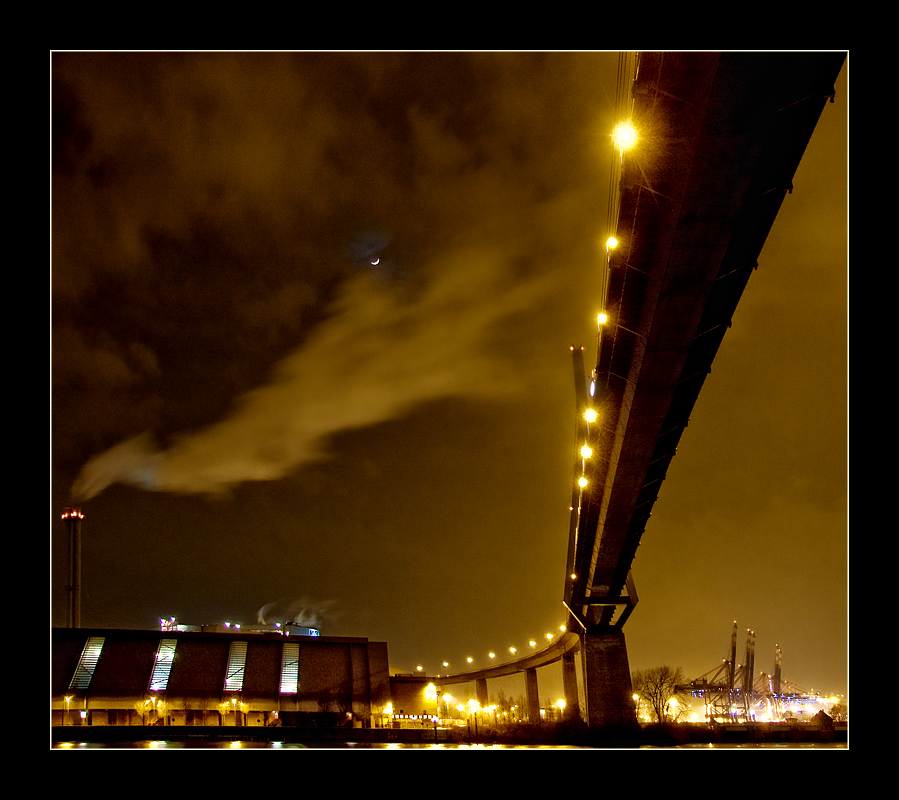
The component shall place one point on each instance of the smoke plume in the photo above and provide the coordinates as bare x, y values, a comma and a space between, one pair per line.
381, 352
298, 610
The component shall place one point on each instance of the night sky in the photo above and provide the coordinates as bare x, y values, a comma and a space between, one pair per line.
259, 421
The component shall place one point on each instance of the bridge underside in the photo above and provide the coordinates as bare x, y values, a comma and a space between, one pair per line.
721, 136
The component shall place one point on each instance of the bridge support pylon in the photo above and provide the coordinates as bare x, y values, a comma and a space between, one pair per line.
607, 683
569, 685
481, 689
532, 697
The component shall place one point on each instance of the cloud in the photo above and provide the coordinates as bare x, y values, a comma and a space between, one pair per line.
471, 191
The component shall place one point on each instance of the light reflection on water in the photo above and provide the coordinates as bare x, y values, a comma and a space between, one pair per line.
238, 745
759, 746
296, 746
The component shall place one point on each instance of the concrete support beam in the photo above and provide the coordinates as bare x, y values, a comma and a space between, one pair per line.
569, 685
607, 680
533, 699
481, 689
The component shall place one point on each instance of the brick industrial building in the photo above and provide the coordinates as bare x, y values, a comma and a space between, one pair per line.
216, 675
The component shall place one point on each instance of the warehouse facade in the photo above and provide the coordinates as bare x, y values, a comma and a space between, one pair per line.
216, 676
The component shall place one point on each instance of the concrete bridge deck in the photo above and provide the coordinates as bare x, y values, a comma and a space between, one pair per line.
721, 136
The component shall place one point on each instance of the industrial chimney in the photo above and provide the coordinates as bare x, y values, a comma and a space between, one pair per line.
72, 517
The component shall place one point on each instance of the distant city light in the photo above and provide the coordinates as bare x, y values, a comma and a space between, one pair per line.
586, 451
590, 415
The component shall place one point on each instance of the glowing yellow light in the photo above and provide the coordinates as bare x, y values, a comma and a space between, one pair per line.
586, 451
590, 415
582, 482
602, 318
611, 243
624, 136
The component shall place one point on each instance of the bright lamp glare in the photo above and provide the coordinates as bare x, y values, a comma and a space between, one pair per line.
624, 136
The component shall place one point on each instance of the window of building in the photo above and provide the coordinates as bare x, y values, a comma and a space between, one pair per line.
290, 668
90, 655
237, 662
165, 657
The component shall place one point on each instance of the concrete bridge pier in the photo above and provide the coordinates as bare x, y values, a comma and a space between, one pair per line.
607, 682
569, 686
481, 691
531, 696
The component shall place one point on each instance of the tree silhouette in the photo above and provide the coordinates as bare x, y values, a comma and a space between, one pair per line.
662, 690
